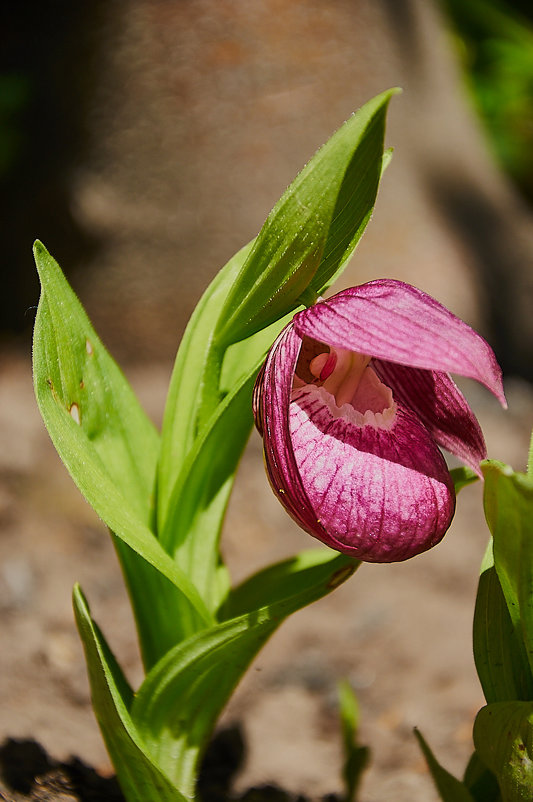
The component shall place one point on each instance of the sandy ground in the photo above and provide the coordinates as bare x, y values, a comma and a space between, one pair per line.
401, 633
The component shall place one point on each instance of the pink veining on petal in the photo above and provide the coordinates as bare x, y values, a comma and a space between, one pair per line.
440, 406
272, 399
379, 494
396, 322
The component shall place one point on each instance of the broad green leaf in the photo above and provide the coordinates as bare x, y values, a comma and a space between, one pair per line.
356, 757
480, 781
509, 511
450, 789
314, 227
110, 449
282, 580
140, 778
178, 703
503, 737
499, 653
73, 368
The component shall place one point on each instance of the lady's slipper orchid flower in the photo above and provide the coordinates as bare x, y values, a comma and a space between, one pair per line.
353, 401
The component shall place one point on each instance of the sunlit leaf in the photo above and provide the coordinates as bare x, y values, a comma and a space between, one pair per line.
356, 757
313, 229
509, 512
208, 413
181, 697
140, 778
110, 449
462, 477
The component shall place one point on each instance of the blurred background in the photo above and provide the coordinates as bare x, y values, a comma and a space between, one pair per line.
145, 141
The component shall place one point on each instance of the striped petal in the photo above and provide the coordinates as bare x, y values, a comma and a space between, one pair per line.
396, 322
272, 395
440, 406
379, 494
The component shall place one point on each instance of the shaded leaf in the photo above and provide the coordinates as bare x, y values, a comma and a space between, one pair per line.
480, 781
503, 737
499, 653
450, 789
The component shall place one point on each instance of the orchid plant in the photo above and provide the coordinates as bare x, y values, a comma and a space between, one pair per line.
353, 401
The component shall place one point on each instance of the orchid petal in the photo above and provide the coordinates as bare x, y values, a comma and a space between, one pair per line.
440, 406
396, 322
379, 494
272, 397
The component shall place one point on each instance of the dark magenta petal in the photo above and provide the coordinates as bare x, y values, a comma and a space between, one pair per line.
272, 395
440, 406
396, 322
378, 494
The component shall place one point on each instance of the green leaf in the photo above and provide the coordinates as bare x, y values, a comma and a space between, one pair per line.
481, 782
356, 757
462, 477
140, 778
503, 737
499, 653
313, 229
177, 705
207, 421
450, 789
199, 499
74, 371
110, 449
290, 577
509, 511
189, 377
208, 416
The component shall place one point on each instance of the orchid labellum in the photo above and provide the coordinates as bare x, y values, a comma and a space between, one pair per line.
353, 402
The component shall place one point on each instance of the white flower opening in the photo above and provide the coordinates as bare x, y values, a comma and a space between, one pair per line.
349, 387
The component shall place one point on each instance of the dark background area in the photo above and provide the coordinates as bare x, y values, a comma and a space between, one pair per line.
144, 142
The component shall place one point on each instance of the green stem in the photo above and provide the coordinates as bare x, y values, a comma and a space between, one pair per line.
308, 297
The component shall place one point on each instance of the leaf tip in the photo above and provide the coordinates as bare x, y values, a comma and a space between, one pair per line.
78, 599
39, 249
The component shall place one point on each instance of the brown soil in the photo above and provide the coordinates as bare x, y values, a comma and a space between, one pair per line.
400, 633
